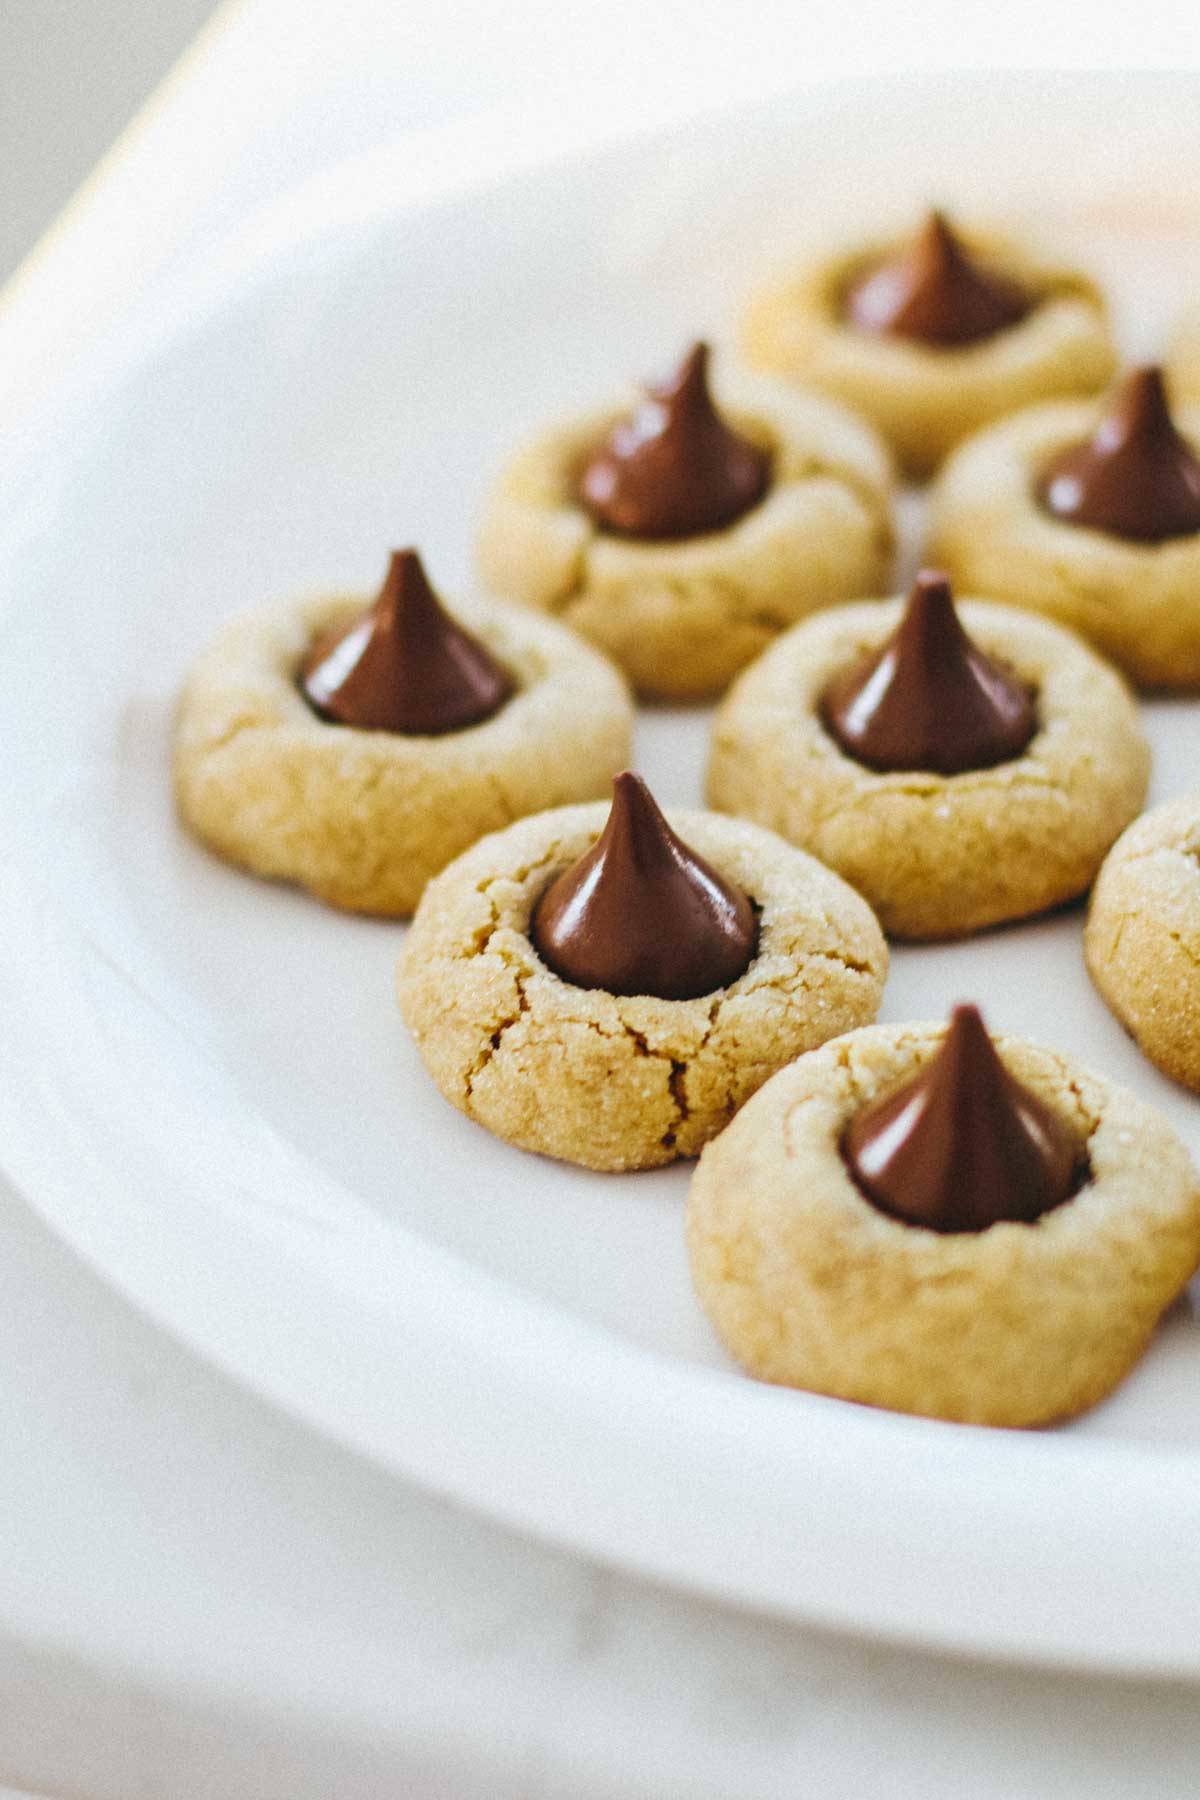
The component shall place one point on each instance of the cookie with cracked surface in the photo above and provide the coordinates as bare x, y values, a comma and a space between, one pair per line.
683, 614
810, 1285
1136, 599
364, 817
935, 373
628, 1081
1142, 941
937, 855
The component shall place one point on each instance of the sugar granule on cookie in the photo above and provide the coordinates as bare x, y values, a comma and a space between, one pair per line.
609, 985
919, 1218
356, 748
960, 764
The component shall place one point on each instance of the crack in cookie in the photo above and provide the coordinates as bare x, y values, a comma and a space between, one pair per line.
624, 1082
1142, 940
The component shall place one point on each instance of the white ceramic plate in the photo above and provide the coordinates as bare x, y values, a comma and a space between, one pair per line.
205, 1084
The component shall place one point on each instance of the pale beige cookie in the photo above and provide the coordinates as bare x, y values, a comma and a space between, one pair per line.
364, 818
1142, 941
810, 1285
923, 398
1139, 603
625, 1082
683, 617
937, 855
1183, 358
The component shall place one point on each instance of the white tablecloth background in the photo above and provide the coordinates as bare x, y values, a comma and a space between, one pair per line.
197, 1598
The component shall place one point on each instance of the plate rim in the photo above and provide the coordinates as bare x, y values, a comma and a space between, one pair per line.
1158, 1481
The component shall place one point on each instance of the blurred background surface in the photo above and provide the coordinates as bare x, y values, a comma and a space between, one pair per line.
72, 74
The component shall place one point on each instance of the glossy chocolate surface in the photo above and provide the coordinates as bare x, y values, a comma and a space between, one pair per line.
965, 1145
1135, 477
930, 699
641, 913
404, 665
675, 468
935, 293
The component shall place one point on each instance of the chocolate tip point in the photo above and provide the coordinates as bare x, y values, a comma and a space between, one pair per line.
405, 566
631, 797
933, 584
938, 231
930, 604
631, 794
635, 814
691, 376
1144, 393
406, 583
967, 1033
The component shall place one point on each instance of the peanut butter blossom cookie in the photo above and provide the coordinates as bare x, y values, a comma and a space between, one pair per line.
959, 766
922, 1219
608, 986
934, 336
357, 750
681, 535
1091, 516
1143, 936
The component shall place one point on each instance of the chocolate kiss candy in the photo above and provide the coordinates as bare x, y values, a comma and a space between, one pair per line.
930, 699
935, 293
675, 469
965, 1144
404, 665
1135, 477
641, 913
